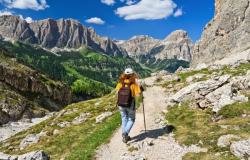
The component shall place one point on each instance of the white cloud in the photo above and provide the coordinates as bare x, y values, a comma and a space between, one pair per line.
108, 2
26, 4
5, 12
28, 19
148, 10
129, 2
95, 20
178, 13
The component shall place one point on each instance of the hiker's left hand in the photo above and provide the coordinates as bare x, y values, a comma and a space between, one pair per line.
142, 89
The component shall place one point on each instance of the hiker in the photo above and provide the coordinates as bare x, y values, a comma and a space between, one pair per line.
128, 90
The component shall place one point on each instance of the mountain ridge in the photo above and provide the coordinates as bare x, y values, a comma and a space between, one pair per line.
176, 45
61, 33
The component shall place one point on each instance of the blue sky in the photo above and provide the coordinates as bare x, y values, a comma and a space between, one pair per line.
121, 19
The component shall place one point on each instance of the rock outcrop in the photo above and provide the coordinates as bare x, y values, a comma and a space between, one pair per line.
60, 33
36, 155
241, 149
226, 34
31, 139
25, 93
14, 106
215, 93
226, 140
25, 79
175, 46
103, 116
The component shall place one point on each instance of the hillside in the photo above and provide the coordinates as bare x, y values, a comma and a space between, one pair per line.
90, 74
72, 133
57, 98
25, 93
177, 123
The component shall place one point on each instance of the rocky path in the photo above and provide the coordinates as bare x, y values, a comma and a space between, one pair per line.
158, 143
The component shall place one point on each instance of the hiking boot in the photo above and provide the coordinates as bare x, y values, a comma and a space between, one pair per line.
125, 138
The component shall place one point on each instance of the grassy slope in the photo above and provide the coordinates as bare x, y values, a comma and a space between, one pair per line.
195, 126
75, 141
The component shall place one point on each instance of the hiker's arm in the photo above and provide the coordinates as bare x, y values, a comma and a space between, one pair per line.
137, 90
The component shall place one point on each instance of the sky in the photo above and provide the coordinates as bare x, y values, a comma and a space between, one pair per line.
120, 19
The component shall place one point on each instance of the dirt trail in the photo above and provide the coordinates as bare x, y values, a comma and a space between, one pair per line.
158, 143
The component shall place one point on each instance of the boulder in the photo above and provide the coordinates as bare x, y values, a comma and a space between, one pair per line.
31, 139
83, 117
241, 82
35, 155
226, 140
223, 96
183, 70
214, 93
241, 149
101, 117
56, 132
203, 88
201, 66
64, 124
4, 156
195, 77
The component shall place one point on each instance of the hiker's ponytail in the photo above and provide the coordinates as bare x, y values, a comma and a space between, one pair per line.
132, 78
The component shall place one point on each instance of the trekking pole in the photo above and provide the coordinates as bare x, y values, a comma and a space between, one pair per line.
143, 108
144, 117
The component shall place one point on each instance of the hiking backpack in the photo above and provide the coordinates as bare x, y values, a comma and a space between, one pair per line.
125, 96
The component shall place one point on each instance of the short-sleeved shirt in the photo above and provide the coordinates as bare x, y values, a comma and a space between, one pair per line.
135, 88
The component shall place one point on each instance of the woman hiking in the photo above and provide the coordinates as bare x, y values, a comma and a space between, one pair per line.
128, 90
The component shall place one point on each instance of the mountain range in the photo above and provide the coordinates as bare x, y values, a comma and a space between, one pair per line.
67, 52
177, 45
62, 74
70, 34
60, 33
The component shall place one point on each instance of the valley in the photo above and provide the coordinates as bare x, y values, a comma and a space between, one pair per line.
57, 97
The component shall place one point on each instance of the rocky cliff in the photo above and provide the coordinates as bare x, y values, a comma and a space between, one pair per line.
27, 80
60, 33
175, 46
139, 46
227, 33
25, 92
